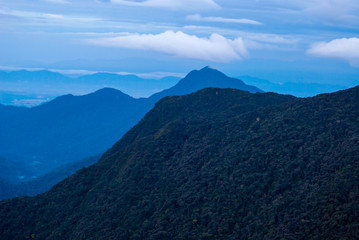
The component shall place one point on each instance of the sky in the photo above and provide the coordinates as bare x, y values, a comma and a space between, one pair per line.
277, 40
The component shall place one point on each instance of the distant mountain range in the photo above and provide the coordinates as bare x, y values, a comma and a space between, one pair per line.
215, 164
70, 128
30, 88
298, 89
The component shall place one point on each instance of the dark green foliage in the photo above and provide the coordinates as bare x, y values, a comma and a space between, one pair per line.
217, 164
70, 128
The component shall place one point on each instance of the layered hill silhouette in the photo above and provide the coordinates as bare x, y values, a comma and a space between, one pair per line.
30, 88
298, 89
70, 128
216, 164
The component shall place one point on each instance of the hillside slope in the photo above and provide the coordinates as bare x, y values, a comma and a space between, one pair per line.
70, 128
217, 164
67, 129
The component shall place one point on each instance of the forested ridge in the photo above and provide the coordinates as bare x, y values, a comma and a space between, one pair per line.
37, 141
216, 164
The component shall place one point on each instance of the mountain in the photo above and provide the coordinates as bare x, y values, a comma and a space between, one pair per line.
24, 77
299, 89
9, 111
30, 88
199, 79
22, 87
130, 84
216, 164
67, 129
70, 128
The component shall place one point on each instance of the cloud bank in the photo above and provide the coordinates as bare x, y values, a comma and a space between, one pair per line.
216, 48
344, 48
197, 17
172, 4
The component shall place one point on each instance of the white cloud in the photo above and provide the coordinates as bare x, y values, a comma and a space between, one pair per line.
326, 11
253, 40
81, 72
159, 75
344, 48
216, 48
271, 38
197, 17
57, 1
172, 4
40, 18
53, 16
329, 11
333, 8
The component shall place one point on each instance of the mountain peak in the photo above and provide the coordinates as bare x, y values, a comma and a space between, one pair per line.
107, 92
204, 78
202, 75
209, 68
211, 77
206, 70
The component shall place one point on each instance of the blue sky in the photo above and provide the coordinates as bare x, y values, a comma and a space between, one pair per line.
301, 41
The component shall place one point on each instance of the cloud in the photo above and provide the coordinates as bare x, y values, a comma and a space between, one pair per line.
40, 18
333, 8
80, 72
271, 38
344, 48
197, 17
327, 11
57, 1
159, 75
53, 16
172, 4
324, 12
216, 48
253, 40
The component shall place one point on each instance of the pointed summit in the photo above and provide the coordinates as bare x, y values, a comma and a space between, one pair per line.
210, 67
206, 68
207, 74
204, 78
